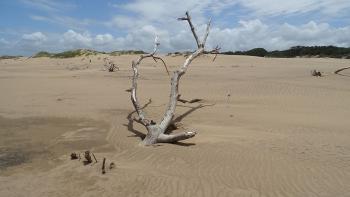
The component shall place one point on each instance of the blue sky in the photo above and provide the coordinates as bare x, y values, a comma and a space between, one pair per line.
29, 26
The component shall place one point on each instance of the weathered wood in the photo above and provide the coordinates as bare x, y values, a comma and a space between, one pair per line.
155, 132
73, 156
94, 157
104, 166
341, 69
87, 157
316, 73
111, 165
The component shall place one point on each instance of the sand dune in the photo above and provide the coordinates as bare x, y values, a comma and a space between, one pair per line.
281, 132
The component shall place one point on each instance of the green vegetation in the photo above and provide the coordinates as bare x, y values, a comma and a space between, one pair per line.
298, 51
314, 51
9, 57
83, 52
67, 54
43, 54
127, 52
76, 53
260, 52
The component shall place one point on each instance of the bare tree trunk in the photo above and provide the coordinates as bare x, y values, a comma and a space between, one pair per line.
155, 132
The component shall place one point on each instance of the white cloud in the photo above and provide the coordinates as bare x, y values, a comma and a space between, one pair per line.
102, 39
276, 7
72, 39
36, 36
48, 5
252, 34
247, 35
160, 9
65, 21
121, 21
175, 35
145, 19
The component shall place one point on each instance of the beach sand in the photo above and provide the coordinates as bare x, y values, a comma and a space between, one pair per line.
265, 127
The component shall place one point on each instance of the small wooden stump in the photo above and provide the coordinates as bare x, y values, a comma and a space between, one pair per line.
87, 157
316, 73
111, 165
73, 156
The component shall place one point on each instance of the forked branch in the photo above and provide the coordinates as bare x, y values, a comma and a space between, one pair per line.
156, 131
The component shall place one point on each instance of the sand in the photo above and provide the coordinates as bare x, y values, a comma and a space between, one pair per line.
266, 128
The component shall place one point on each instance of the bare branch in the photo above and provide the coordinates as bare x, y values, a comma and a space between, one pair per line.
206, 33
169, 138
188, 19
164, 64
156, 45
138, 109
215, 51
134, 99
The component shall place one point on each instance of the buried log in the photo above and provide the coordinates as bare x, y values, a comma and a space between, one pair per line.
156, 131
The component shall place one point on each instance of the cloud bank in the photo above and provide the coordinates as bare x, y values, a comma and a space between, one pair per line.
137, 23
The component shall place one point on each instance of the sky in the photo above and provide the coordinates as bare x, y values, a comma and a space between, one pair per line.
30, 26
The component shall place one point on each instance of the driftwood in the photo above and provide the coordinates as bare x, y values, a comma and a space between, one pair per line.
341, 69
316, 73
111, 67
156, 131
188, 101
111, 165
87, 157
104, 166
73, 156
94, 157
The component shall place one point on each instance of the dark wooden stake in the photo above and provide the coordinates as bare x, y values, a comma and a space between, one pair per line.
94, 157
103, 166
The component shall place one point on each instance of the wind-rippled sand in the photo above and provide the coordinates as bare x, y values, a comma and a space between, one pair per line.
266, 127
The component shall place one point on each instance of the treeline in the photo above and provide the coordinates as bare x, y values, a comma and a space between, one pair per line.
3, 57
298, 51
83, 52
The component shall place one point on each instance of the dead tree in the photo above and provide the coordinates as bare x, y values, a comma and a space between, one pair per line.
316, 73
111, 67
156, 132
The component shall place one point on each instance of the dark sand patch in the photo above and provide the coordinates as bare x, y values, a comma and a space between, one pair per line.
44, 139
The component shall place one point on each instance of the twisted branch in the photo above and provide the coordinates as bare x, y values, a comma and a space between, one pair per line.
138, 109
156, 131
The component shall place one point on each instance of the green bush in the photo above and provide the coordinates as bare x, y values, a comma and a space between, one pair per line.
42, 54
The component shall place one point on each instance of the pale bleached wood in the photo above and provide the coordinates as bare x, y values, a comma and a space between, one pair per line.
155, 132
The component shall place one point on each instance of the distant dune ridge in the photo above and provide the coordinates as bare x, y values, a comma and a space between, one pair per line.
83, 52
297, 51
